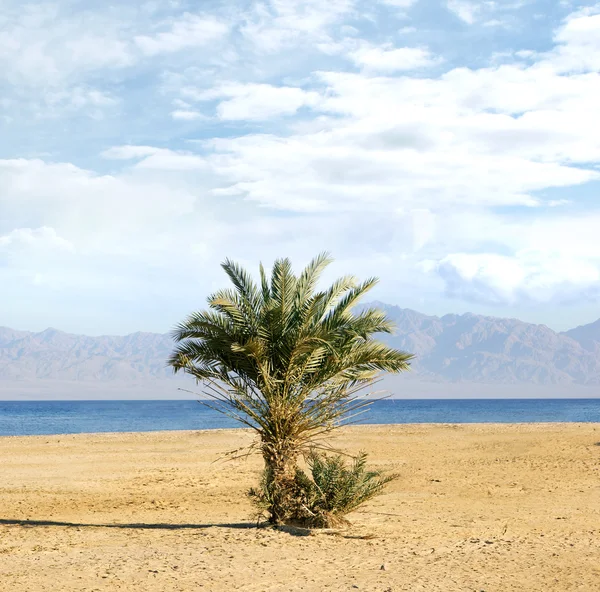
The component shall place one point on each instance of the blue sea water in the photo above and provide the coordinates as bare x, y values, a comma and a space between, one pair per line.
19, 418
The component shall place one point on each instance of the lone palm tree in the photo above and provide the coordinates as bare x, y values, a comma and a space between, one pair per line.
286, 360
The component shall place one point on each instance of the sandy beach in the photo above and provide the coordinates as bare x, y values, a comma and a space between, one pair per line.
477, 507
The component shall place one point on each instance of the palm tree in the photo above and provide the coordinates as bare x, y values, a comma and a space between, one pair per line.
286, 360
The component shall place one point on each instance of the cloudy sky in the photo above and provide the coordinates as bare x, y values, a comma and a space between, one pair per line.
451, 148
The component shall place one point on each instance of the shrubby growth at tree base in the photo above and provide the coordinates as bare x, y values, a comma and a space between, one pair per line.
333, 490
291, 363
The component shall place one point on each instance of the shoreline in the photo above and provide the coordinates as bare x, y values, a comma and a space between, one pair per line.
389, 398
365, 426
336, 430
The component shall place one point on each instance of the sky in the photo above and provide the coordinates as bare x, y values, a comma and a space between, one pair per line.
451, 148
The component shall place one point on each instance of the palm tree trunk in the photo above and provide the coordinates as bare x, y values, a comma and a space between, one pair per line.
280, 464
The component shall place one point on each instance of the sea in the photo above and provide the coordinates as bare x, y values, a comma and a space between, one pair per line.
24, 418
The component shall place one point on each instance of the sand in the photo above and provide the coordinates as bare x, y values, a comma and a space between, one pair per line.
477, 507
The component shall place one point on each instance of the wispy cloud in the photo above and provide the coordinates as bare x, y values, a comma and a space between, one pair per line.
399, 3
186, 115
247, 102
276, 24
466, 11
387, 58
190, 30
39, 46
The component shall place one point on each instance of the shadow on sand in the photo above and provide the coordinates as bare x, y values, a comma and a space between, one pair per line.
142, 526
292, 530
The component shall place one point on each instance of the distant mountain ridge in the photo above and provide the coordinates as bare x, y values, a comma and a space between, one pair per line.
588, 336
452, 348
53, 354
478, 348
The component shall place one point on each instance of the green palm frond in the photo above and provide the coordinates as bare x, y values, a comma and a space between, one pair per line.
291, 343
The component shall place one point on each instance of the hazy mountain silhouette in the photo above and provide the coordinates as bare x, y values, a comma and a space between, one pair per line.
588, 336
465, 348
478, 348
53, 354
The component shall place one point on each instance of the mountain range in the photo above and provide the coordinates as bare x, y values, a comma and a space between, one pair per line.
460, 349
484, 349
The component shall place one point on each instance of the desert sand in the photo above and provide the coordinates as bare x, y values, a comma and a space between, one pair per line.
477, 507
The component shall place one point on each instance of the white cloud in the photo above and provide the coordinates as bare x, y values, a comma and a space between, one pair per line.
128, 152
39, 46
256, 101
140, 233
581, 28
578, 42
424, 227
329, 171
485, 11
43, 238
274, 25
406, 141
189, 30
156, 158
78, 98
50, 58
530, 263
30, 255
148, 221
399, 3
55, 60
528, 275
389, 59
464, 10
98, 212
525, 53
186, 115
495, 23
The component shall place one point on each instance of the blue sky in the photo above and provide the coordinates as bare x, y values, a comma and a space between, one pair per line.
451, 148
